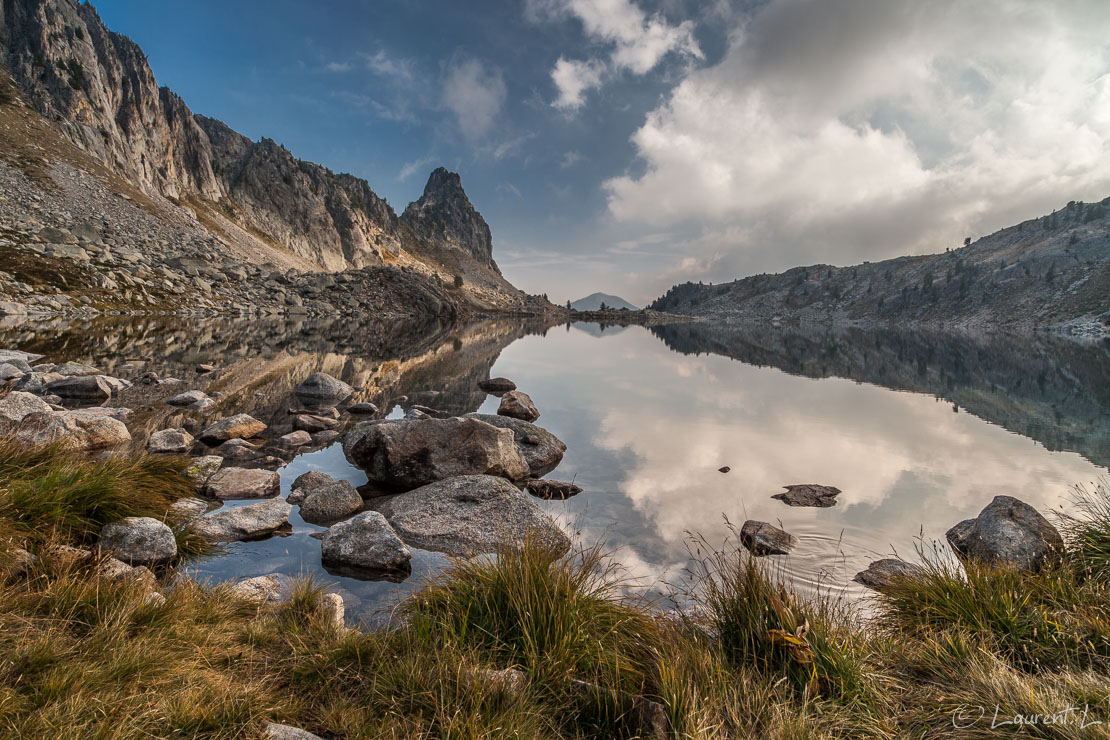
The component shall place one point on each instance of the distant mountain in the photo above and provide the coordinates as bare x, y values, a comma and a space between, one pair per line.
593, 302
1049, 271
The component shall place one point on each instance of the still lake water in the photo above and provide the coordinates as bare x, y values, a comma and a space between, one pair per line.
919, 431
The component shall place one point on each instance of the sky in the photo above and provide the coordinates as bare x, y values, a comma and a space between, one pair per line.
624, 146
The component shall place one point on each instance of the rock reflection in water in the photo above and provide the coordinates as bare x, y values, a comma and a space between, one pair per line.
649, 423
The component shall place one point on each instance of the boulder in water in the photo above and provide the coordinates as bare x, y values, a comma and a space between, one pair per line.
470, 514
400, 455
809, 494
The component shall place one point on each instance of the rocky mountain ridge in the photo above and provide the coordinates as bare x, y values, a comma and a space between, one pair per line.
251, 203
1052, 271
444, 217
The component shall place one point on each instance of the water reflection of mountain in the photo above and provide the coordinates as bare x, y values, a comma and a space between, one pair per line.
260, 362
598, 330
1043, 387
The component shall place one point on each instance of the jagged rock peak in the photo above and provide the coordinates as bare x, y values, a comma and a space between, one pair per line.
445, 216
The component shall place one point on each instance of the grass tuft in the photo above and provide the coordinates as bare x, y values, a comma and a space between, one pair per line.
48, 492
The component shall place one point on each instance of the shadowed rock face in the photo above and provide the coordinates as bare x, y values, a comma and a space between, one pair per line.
445, 217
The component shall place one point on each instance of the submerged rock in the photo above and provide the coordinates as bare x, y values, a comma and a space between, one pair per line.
809, 494
884, 573
242, 483
244, 522
365, 541
469, 515
1007, 532
762, 539
542, 450
323, 387
139, 540
519, 406
400, 455
240, 426
552, 490
331, 502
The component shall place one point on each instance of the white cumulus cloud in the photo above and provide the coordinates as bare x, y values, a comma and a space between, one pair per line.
844, 129
636, 43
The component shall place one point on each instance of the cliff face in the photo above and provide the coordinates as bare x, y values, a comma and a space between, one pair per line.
444, 216
1046, 271
97, 88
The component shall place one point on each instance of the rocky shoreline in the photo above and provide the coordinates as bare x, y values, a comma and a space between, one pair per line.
454, 484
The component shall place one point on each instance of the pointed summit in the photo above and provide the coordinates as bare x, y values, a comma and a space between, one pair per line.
445, 217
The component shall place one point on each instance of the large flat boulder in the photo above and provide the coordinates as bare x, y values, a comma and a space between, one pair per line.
468, 515
1007, 532
400, 455
542, 450
72, 430
241, 483
139, 540
250, 522
365, 542
239, 426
